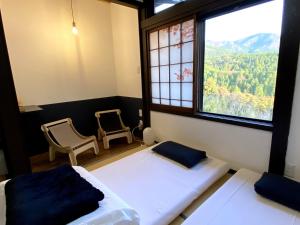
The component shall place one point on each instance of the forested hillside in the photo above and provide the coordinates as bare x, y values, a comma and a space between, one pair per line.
240, 76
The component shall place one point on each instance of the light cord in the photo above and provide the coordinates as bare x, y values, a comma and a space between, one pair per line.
72, 12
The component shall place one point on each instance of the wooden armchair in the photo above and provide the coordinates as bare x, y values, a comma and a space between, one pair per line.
111, 126
63, 137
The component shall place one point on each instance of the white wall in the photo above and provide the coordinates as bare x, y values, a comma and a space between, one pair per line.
293, 153
49, 63
241, 147
126, 50
52, 65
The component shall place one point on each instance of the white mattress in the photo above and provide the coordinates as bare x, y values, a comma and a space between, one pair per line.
112, 210
157, 188
236, 203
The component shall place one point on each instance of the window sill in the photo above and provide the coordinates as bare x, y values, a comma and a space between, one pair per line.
243, 122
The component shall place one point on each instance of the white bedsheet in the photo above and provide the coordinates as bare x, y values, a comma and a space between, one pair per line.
112, 210
157, 188
236, 203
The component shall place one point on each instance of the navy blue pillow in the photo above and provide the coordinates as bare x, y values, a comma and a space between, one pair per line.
279, 189
184, 155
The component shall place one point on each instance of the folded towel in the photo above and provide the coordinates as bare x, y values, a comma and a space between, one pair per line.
54, 197
279, 189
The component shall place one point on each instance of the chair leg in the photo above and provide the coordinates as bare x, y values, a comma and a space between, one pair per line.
106, 143
51, 154
96, 148
99, 135
129, 137
73, 159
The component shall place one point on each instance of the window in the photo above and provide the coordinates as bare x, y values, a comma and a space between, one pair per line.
160, 5
240, 62
236, 69
171, 60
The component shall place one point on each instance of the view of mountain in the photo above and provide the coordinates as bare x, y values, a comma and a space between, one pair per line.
258, 43
240, 76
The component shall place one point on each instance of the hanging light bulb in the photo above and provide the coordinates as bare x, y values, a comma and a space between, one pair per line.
74, 28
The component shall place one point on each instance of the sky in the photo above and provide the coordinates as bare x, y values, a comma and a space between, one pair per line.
263, 18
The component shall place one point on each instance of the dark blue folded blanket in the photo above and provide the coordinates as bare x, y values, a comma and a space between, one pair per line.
54, 197
279, 189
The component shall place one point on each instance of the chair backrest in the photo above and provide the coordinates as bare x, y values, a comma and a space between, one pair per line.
110, 120
62, 132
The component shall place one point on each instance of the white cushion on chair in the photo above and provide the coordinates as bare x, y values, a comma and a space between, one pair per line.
65, 136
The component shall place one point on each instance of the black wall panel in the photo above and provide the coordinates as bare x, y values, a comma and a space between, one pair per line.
82, 114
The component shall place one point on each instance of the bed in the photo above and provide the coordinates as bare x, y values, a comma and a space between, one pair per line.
237, 203
157, 188
112, 210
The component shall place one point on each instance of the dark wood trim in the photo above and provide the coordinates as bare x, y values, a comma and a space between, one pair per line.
287, 69
191, 7
200, 65
171, 109
166, 25
16, 158
149, 8
158, 54
144, 67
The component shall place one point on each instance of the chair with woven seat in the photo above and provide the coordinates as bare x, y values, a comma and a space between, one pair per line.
111, 127
63, 137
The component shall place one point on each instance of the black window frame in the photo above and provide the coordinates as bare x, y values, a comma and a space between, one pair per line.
230, 119
199, 44
286, 76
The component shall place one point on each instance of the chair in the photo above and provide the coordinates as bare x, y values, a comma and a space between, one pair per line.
63, 137
111, 127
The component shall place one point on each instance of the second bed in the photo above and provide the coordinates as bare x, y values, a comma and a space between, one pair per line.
237, 203
157, 188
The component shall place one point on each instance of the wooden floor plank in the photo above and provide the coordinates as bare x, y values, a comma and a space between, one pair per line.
86, 159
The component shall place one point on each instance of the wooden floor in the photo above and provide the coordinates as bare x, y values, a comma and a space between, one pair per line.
86, 159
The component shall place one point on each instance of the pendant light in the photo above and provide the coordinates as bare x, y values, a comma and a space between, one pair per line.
74, 28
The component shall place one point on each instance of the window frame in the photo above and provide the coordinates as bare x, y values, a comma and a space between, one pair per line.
198, 67
230, 119
287, 66
169, 108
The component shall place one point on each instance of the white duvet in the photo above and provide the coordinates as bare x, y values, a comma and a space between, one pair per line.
112, 210
236, 203
157, 188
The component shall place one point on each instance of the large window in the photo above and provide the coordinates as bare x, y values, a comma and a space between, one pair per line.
236, 69
241, 57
